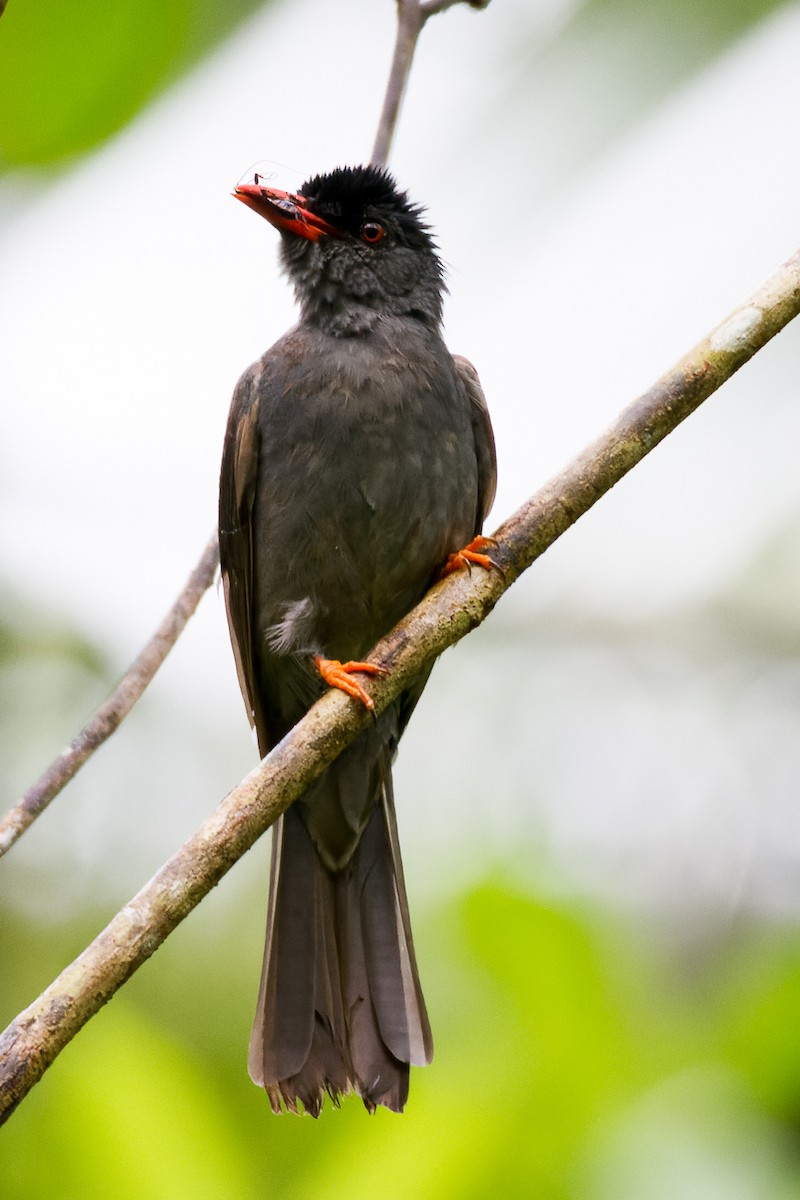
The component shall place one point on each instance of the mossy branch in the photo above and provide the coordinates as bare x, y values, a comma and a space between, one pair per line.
453, 607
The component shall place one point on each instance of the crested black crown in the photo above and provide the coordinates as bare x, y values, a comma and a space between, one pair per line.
345, 194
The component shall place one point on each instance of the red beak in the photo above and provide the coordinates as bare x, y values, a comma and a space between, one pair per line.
284, 210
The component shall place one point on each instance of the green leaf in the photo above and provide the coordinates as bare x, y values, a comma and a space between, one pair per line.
71, 75
138, 1118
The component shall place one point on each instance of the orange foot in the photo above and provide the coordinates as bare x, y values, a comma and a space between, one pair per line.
473, 553
338, 675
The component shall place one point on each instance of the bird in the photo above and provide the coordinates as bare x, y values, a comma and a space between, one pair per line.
358, 465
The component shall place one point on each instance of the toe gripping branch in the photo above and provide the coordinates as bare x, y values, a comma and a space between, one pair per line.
340, 675
474, 553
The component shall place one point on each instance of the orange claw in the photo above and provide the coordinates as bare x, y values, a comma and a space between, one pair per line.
337, 674
473, 553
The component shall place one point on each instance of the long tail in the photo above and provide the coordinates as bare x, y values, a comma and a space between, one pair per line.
340, 1003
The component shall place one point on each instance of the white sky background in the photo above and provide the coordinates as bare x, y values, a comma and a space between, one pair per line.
134, 291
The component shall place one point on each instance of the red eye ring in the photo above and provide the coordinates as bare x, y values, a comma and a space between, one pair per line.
372, 232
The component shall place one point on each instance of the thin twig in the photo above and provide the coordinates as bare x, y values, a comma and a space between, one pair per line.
410, 20
114, 710
411, 17
455, 606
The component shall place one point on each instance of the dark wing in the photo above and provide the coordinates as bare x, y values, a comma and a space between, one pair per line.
486, 457
237, 489
484, 438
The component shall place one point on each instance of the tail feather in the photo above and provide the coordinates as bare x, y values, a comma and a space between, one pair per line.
388, 946
281, 1037
340, 1003
420, 1040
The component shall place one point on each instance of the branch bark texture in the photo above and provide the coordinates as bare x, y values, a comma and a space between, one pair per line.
455, 606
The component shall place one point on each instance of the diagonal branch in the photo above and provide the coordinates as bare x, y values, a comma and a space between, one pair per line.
113, 711
454, 607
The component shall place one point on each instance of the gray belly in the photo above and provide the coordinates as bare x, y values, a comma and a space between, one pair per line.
360, 499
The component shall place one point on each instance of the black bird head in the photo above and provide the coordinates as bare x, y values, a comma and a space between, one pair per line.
355, 248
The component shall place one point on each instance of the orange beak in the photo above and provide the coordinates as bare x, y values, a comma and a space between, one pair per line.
284, 210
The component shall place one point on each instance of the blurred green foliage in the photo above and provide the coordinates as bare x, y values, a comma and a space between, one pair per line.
47, 669
73, 74
574, 1059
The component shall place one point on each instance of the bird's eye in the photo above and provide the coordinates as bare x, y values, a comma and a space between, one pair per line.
372, 232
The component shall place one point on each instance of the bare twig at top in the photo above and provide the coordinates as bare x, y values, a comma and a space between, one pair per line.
411, 17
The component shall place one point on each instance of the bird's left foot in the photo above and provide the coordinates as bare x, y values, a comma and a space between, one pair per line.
475, 553
340, 675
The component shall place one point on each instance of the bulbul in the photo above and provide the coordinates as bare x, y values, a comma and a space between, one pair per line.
358, 461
